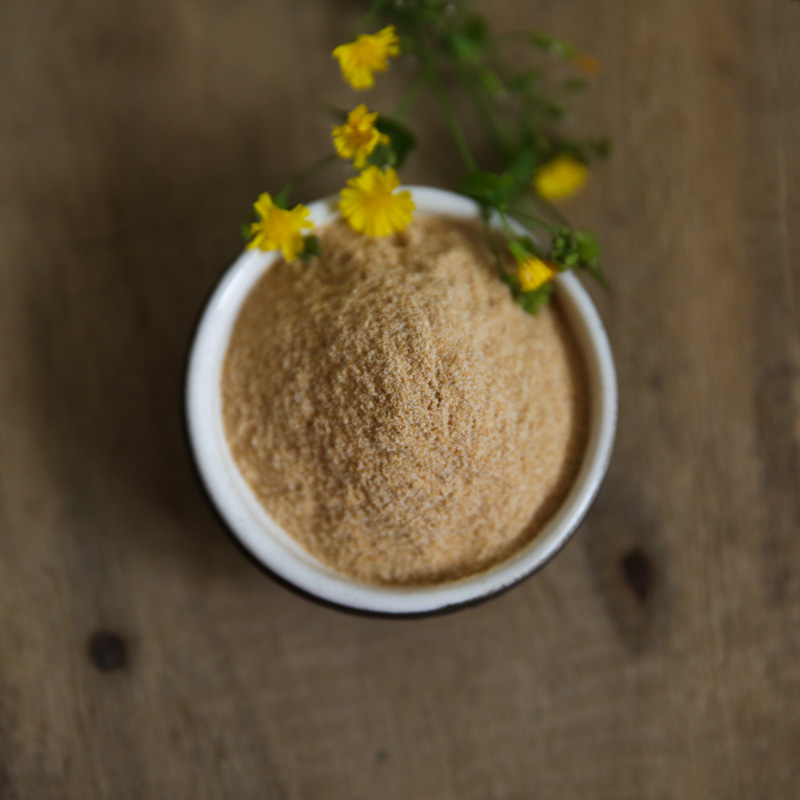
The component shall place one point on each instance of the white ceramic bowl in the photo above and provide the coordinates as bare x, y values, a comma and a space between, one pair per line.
280, 553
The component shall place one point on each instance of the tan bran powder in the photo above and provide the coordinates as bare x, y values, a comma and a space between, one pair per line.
394, 409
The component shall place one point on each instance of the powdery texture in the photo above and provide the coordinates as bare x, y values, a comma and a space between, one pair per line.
396, 412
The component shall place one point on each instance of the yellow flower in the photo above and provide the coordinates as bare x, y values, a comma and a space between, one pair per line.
370, 205
367, 54
560, 178
358, 137
279, 228
532, 273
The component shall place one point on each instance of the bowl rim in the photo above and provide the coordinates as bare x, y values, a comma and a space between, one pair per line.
283, 556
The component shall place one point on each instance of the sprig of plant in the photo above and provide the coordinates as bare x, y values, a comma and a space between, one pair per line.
534, 163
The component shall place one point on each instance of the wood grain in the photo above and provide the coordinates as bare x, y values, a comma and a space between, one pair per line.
142, 656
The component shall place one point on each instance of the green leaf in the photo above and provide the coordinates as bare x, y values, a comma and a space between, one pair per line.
566, 249
588, 248
540, 40
534, 301
557, 47
311, 248
596, 271
401, 142
491, 81
589, 261
477, 29
575, 84
462, 48
600, 148
521, 168
382, 156
488, 187
524, 247
519, 250
532, 247
413, 12
469, 42
578, 249
512, 281
552, 109
523, 82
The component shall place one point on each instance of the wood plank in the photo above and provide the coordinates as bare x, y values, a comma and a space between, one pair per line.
142, 655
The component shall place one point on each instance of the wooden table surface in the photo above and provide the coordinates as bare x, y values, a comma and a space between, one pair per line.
142, 656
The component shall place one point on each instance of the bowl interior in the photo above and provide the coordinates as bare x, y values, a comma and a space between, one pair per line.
278, 551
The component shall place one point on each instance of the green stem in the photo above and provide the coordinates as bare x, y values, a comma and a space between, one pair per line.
410, 96
512, 234
508, 230
489, 117
283, 196
557, 47
447, 109
366, 20
515, 212
489, 234
551, 209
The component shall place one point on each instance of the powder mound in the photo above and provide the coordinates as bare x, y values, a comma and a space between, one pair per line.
394, 409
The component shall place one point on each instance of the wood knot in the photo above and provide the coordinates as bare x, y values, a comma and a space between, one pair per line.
638, 573
107, 651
